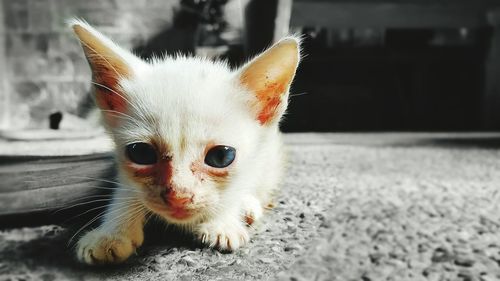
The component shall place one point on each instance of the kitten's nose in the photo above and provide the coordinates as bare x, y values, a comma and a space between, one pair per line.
175, 199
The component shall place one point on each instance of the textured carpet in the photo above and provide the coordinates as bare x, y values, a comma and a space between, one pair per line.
353, 207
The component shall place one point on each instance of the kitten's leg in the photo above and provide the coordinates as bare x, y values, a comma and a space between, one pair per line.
252, 209
120, 233
228, 232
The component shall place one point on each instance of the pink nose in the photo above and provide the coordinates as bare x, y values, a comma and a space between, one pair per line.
175, 200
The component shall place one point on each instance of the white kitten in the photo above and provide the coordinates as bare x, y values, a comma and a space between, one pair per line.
197, 143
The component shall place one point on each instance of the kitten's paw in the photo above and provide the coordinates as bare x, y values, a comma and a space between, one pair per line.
99, 247
225, 236
253, 210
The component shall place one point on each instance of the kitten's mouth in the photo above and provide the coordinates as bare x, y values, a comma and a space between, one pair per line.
177, 206
180, 213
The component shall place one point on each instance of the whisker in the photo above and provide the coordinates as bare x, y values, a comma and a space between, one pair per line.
80, 204
91, 196
105, 188
126, 218
96, 201
133, 215
98, 207
113, 91
87, 224
133, 105
118, 114
122, 115
88, 211
299, 94
134, 121
130, 188
94, 219
149, 215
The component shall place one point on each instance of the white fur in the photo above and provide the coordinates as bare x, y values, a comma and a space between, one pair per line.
199, 101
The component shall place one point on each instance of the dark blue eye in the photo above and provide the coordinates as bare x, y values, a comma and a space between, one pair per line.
141, 153
220, 156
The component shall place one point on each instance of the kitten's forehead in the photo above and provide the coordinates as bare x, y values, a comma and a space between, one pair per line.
189, 97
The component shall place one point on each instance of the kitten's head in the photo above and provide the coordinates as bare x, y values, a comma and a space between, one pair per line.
186, 129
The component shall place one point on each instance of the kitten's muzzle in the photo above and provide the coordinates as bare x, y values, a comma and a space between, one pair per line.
178, 203
176, 200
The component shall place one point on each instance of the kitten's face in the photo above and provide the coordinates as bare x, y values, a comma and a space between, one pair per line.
186, 137
186, 129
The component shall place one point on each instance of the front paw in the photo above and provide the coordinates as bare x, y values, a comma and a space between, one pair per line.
100, 247
253, 210
224, 236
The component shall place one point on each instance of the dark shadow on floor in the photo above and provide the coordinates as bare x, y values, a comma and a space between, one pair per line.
51, 249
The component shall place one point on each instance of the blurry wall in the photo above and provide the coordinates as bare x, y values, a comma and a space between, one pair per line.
43, 69
352, 78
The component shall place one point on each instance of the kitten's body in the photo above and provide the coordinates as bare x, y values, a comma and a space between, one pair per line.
183, 108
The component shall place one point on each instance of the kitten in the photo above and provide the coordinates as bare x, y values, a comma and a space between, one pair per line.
197, 143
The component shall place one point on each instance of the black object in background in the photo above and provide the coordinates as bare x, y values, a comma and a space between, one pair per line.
422, 84
54, 120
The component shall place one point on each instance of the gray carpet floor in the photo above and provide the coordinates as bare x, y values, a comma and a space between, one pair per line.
353, 207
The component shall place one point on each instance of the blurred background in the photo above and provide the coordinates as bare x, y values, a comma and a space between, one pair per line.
369, 65
353, 206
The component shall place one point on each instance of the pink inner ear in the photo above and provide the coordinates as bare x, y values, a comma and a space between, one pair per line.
270, 99
268, 76
107, 68
269, 92
108, 95
110, 101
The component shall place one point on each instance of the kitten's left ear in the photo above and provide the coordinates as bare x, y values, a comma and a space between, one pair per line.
269, 76
109, 64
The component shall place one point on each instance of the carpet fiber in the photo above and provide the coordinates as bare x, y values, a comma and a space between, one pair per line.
353, 207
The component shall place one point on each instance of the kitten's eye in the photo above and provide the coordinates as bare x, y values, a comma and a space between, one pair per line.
141, 153
220, 156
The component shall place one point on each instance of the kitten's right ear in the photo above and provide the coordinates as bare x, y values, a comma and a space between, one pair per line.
109, 64
268, 77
